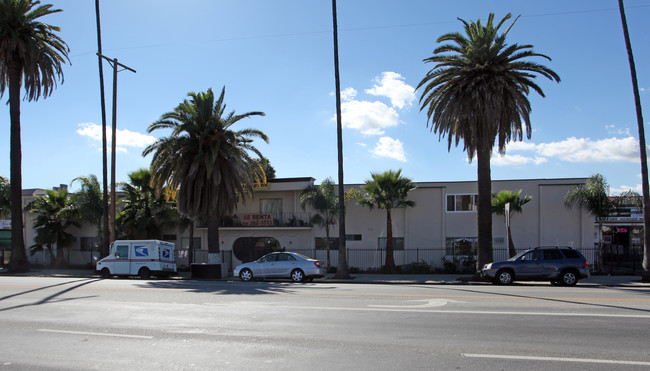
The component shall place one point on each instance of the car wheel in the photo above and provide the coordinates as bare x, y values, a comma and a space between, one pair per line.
297, 275
504, 277
105, 273
246, 275
568, 278
144, 273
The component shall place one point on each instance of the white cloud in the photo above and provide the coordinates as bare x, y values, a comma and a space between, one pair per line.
613, 130
347, 94
572, 149
125, 137
586, 150
391, 85
370, 118
625, 188
391, 148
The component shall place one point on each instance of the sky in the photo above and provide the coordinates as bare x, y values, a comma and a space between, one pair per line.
277, 57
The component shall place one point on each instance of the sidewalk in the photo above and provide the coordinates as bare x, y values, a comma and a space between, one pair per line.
423, 279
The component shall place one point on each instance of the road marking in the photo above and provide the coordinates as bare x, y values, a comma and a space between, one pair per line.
473, 312
97, 334
557, 359
427, 304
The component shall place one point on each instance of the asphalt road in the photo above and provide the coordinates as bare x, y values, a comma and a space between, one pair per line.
88, 323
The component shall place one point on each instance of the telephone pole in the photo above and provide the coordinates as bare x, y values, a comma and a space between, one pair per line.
115, 64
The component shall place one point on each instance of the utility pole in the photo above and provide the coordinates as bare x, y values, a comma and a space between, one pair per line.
115, 64
105, 240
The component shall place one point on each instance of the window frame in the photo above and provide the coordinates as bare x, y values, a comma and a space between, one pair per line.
474, 202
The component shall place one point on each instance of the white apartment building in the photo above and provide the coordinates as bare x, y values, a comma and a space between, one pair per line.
442, 225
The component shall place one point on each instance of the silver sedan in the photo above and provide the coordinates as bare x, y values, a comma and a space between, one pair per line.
292, 265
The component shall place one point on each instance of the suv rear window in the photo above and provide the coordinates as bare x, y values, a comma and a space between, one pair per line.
571, 254
553, 255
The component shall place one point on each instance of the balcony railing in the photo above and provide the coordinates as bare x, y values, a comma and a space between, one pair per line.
264, 220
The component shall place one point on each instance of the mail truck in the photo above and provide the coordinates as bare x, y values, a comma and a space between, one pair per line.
144, 258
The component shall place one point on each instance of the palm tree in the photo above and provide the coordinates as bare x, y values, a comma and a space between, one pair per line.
89, 201
514, 199
645, 275
387, 190
30, 50
592, 197
145, 213
477, 92
322, 199
55, 214
5, 198
210, 164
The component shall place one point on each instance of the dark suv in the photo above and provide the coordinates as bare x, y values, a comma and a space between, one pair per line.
560, 265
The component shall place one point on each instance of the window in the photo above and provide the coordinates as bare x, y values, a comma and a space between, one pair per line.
461, 245
89, 243
321, 243
353, 237
459, 203
531, 256
248, 249
286, 258
185, 243
553, 255
272, 206
571, 254
398, 243
122, 252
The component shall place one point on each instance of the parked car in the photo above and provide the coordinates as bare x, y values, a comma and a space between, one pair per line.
560, 265
291, 265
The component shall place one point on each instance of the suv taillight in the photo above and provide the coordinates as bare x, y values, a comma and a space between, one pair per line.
317, 264
585, 264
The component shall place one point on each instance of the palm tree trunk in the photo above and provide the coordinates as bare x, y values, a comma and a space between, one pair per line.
645, 275
484, 254
327, 236
511, 246
390, 259
18, 262
213, 236
190, 252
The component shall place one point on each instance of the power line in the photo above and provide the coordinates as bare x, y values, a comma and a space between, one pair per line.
352, 29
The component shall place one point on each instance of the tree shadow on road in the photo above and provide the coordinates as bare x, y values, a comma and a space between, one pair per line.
229, 287
51, 298
580, 302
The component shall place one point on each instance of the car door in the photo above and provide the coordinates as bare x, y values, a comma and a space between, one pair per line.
122, 259
264, 266
529, 265
553, 260
284, 265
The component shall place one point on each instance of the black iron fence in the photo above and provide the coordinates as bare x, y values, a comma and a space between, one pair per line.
611, 260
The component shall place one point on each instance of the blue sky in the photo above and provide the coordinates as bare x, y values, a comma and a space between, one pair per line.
277, 57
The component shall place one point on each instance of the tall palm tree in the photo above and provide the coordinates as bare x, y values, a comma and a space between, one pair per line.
145, 213
322, 199
645, 187
5, 198
387, 191
30, 51
477, 92
592, 197
514, 199
211, 165
89, 201
55, 214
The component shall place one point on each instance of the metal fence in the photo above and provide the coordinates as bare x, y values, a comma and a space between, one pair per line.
612, 260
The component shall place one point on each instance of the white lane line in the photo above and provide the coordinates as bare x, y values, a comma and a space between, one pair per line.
97, 334
473, 312
557, 359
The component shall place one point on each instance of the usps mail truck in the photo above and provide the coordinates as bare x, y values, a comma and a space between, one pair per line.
144, 258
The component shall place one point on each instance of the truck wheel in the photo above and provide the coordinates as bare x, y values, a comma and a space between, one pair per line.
144, 273
105, 273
